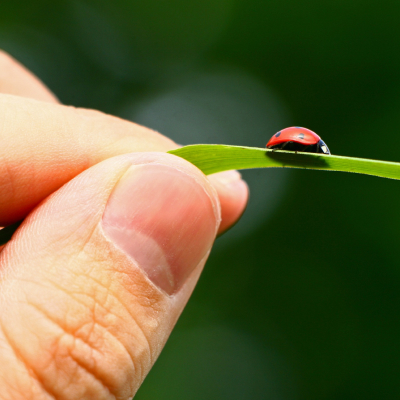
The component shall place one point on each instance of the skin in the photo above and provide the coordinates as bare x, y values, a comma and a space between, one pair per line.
81, 316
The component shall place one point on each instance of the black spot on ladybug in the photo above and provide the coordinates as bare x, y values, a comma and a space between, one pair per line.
278, 134
301, 136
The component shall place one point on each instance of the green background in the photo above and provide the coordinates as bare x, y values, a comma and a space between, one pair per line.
301, 299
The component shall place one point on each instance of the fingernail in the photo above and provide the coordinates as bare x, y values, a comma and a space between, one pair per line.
164, 219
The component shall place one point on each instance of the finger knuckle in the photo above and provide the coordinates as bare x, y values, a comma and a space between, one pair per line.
94, 353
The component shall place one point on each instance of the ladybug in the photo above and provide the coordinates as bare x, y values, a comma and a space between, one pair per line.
298, 139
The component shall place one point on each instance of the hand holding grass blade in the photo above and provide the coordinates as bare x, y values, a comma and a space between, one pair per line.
212, 158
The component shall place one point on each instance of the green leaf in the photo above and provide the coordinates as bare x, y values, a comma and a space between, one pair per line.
211, 158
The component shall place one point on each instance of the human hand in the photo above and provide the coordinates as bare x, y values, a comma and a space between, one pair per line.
116, 233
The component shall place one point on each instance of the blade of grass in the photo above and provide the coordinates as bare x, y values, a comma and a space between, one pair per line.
212, 158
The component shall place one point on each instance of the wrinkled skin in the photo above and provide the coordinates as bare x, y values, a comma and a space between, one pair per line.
81, 315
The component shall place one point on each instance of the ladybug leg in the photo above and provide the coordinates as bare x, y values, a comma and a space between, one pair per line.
283, 146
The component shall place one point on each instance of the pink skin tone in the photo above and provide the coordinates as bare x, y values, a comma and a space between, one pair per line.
116, 234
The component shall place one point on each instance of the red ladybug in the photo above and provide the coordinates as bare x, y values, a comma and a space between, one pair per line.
298, 139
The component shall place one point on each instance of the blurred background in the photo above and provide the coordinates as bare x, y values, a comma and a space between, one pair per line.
301, 299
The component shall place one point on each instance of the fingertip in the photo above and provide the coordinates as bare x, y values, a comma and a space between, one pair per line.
233, 193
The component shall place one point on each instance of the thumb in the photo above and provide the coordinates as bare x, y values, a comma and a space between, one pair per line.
95, 279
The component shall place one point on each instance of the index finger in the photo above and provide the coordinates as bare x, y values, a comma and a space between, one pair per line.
44, 146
